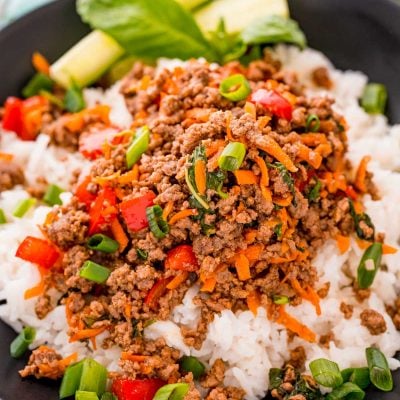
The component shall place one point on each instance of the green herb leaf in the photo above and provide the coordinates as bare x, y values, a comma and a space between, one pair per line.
142, 254
38, 83
278, 231
73, 100
285, 174
361, 218
153, 29
215, 181
313, 194
274, 29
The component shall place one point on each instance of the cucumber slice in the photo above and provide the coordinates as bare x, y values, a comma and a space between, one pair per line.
191, 4
85, 62
238, 14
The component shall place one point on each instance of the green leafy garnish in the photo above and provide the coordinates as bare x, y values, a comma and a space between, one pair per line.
73, 100
142, 254
215, 180
361, 218
286, 176
278, 231
313, 194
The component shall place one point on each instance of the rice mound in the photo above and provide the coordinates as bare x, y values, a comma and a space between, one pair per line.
250, 345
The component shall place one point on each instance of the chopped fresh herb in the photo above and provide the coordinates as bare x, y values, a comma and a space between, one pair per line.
313, 194
286, 176
278, 231
215, 180
142, 254
73, 100
38, 83
359, 220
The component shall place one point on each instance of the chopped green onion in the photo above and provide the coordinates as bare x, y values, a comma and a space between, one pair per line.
235, 87
103, 243
23, 207
94, 377
232, 156
312, 123
379, 371
52, 195
348, 391
73, 100
280, 299
94, 272
193, 191
369, 265
3, 219
158, 226
138, 146
38, 83
193, 365
83, 395
364, 218
374, 98
52, 99
108, 396
326, 372
358, 376
71, 380
313, 194
173, 391
20, 344
142, 254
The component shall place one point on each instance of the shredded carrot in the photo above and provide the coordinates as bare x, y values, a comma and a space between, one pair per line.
213, 162
245, 177
264, 181
283, 201
343, 243
386, 249
167, 210
182, 214
68, 360
119, 234
93, 341
228, 127
178, 280
266, 192
313, 139
361, 174
199, 114
309, 294
104, 180
128, 309
324, 149
253, 252
306, 154
283, 216
250, 236
209, 285
200, 176
253, 302
295, 326
358, 207
363, 244
302, 255
126, 356
242, 266
290, 97
86, 334
214, 146
272, 84
271, 147
251, 109
145, 82
282, 260
38, 289
130, 176
106, 147
262, 122
40, 63
6, 156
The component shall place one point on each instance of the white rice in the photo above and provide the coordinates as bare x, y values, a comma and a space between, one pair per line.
249, 345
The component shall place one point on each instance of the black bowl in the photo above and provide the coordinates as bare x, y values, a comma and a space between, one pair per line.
355, 34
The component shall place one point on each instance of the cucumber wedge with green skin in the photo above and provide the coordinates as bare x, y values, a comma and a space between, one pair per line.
191, 4
87, 61
238, 14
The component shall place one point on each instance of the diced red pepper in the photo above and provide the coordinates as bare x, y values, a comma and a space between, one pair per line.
103, 210
38, 251
274, 102
158, 289
12, 119
91, 144
134, 211
182, 258
82, 193
136, 389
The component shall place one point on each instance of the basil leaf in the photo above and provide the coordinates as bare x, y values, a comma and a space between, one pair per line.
152, 29
274, 29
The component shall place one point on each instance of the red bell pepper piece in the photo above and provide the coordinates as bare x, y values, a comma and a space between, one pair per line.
91, 144
182, 258
103, 210
38, 251
134, 211
12, 119
274, 102
158, 289
82, 193
136, 389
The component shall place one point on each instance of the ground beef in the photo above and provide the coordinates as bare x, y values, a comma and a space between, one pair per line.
298, 358
10, 175
226, 393
394, 312
321, 77
346, 309
373, 321
215, 375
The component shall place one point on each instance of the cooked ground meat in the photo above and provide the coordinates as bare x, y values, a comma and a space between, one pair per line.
321, 77
226, 393
394, 312
373, 321
298, 358
10, 175
215, 376
346, 309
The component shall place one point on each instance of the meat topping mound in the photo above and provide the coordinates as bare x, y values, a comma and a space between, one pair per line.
10, 175
373, 321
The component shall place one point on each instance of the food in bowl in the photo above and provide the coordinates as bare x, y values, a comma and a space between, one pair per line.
200, 229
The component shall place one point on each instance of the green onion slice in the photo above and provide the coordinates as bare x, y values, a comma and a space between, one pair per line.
326, 372
52, 99
358, 376
232, 156
108, 396
94, 272
369, 265
20, 344
52, 195
71, 380
142, 254
23, 207
314, 193
280, 299
38, 83
73, 100
379, 371
174, 391
348, 391
103, 243
158, 226
374, 98
3, 219
193, 365
313, 123
235, 87
94, 377
84, 395
138, 146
